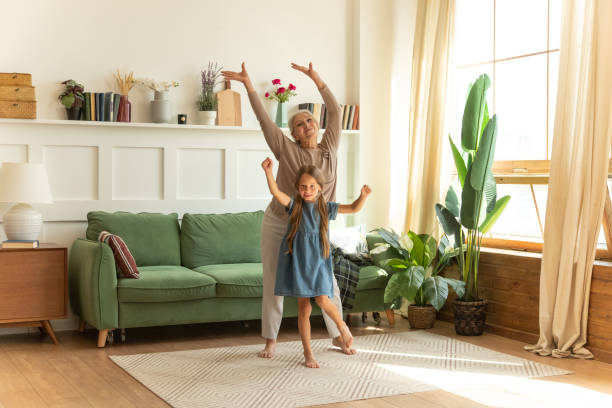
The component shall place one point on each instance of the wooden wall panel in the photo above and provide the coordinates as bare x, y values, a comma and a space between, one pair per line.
510, 282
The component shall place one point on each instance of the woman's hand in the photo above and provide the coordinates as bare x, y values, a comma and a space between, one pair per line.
242, 76
366, 190
267, 165
314, 75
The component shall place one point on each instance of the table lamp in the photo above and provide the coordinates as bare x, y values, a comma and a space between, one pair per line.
23, 183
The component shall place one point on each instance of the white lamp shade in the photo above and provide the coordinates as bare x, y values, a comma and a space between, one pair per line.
24, 183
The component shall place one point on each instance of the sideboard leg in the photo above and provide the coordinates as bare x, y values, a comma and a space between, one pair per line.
49, 331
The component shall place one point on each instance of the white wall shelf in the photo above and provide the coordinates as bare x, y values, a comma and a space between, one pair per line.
230, 129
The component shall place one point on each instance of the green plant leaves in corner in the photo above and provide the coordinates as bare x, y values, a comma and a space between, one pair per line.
459, 162
418, 249
404, 283
435, 291
493, 215
470, 198
453, 200
473, 113
457, 285
483, 161
449, 223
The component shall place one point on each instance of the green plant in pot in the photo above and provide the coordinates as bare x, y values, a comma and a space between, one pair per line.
415, 262
471, 205
72, 98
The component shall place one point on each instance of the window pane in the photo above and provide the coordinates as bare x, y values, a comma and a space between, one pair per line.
473, 31
520, 104
520, 27
519, 220
553, 79
555, 24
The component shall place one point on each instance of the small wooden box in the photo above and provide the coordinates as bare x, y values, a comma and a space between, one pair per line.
18, 109
15, 79
17, 93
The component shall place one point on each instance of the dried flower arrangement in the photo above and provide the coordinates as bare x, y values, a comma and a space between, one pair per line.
125, 82
207, 100
159, 86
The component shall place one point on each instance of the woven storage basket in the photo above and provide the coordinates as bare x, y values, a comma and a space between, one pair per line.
17, 93
18, 109
15, 79
421, 317
469, 317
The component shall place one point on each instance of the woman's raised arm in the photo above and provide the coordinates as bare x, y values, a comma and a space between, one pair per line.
273, 135
331, 137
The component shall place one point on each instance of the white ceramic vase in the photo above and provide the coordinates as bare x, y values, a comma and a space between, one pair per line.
207, 117
160, 107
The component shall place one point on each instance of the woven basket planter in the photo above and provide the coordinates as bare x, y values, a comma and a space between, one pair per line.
469, 317
421, 317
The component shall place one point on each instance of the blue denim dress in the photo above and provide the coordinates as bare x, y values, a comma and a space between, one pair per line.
304, 272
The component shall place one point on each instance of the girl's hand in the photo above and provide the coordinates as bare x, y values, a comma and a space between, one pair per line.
366, 190
242, 76
267, 165
314, 75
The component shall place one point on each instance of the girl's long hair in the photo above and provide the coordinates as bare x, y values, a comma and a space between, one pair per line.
296, 215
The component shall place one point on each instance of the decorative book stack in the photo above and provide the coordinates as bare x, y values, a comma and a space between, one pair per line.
101, 106
17, 99
349, 118
20, 243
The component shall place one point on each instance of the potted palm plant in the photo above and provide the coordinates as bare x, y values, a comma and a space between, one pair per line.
72, 98
415, 265
471, 205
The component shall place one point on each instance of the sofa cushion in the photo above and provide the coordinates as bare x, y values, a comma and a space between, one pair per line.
236, 280
372, 277
212, 239
153, 239
168, 283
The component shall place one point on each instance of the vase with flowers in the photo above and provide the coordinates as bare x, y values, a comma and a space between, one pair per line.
160, 105
281, 95
207, 102
125, 83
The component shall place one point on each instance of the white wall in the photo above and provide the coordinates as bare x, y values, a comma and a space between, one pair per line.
87, 40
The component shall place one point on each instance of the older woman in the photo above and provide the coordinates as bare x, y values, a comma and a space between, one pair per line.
291, 155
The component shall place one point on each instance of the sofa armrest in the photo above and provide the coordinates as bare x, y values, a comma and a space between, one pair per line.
92, 280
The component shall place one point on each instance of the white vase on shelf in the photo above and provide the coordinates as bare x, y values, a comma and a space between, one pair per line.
207, 117
160, 107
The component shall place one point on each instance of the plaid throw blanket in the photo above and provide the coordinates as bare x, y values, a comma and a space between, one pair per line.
346, 270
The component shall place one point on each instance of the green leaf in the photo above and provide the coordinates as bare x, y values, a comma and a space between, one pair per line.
392, 290
418, 250
490, 191
483, 161
457, 285
473, 114
393, 239
430, 248
449, 223
68, 100
459, 162
398, 263
493, 215
435, 291
411, 282
452, 200
470, 218
485, 119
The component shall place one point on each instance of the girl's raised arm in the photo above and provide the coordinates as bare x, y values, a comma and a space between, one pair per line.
281, 197
357, 205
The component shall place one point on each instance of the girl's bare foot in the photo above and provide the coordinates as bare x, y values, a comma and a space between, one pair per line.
337, 341
345, 333
268, 351
309, 360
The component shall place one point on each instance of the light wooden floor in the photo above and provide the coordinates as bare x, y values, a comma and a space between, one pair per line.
35, 373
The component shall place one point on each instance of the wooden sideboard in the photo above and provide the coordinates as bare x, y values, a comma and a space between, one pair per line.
33, 287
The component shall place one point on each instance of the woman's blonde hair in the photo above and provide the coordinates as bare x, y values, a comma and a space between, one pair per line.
294, 117
296, 215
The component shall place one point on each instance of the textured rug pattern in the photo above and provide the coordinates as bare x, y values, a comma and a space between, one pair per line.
236, 377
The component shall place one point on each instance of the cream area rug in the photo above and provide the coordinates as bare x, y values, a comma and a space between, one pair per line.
386, 364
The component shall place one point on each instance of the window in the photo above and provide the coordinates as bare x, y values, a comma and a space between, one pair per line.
516, 43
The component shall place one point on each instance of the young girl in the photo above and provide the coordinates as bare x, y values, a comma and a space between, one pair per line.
304, 265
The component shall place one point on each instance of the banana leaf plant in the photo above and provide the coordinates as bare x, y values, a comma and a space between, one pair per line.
471, 205
415, 276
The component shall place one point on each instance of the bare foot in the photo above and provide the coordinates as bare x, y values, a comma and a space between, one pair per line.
346, 350
309, 360
268, 351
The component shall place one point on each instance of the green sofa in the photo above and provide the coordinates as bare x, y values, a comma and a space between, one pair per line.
208, 269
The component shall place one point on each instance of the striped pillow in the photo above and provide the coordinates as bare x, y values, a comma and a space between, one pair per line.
123, 258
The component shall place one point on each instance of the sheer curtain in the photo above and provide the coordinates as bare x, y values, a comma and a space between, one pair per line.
431, 65
578, 173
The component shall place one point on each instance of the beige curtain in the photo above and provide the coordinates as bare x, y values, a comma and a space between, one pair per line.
577, 186
431, 63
